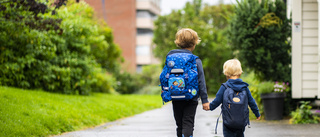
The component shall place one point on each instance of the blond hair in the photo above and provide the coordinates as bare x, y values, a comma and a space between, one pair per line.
186, 38
232, 67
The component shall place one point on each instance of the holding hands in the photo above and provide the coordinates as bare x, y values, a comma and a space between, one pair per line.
205, 106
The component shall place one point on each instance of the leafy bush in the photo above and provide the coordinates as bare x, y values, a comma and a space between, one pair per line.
103, 81
257, 87
260, 35
127, 83
149, 77
60, 57
145, 82
105, 51
303, 115
265, 87
254, 87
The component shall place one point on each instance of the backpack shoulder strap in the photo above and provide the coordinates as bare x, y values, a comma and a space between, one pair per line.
195, 57
225, 85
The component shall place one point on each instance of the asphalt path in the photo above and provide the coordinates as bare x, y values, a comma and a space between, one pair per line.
160, 123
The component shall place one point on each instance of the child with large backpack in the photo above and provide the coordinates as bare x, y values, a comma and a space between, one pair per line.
182, 81
235, 97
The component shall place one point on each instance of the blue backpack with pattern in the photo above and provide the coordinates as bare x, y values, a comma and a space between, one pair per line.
179, 77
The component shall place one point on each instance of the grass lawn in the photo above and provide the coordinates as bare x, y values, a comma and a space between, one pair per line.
39, 113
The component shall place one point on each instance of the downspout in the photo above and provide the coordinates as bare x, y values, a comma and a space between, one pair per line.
104, 10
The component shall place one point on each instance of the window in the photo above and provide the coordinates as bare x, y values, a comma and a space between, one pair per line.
148, 32
143, 50
139, 68
145, 14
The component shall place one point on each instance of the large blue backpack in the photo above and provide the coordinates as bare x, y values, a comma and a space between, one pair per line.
235, 112
179, 77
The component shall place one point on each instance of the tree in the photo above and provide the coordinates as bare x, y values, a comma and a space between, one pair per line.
210, 22
260, 34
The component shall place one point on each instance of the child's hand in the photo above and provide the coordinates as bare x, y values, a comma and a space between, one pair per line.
258, 118
206, 106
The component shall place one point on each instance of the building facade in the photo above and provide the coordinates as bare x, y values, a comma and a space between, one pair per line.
305, 49
147, 12
132, 24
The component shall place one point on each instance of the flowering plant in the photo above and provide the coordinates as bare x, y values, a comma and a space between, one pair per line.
281, 87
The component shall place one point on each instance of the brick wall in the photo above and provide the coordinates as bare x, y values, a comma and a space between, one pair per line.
120, 15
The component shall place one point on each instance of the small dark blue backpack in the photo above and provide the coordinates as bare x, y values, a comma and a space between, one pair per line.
179, 77
234, 109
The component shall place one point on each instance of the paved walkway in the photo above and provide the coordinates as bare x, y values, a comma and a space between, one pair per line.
160, 123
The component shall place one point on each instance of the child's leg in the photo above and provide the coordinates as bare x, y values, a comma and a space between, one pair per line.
188, 118
178, 113
227, 132
184, 113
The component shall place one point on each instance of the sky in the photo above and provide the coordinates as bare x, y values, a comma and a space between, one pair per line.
168, 5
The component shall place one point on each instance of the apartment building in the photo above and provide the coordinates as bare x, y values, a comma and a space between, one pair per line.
132, 24
147, 12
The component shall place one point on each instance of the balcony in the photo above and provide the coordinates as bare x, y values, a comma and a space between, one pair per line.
144, 40
146, 23
148, 5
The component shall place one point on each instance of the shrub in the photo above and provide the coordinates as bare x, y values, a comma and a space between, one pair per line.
260, 35
254, 87
303, 115
145, 82
149, 77
127, 83
265, 87
103, 81
60, 57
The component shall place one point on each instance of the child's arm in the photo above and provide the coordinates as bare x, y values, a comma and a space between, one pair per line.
253, 105
219, 98
202, 84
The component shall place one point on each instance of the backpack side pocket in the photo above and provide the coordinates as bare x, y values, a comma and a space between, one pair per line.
166, 96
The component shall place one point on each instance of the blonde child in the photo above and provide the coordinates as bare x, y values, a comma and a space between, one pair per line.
232, 70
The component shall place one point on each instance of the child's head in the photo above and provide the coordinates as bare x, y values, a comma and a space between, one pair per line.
175, 83
232, 67
186, 38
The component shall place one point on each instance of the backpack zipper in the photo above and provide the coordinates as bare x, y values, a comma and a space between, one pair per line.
194, 71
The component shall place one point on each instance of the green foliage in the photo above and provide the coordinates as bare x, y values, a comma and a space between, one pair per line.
38, 113
254, 87
103, 81
145, 82
260, 34
149, 78
74, 60
303, 115
149, 90
265, 87
257, 88
210, 23
107, 53
150, 75
127, 83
